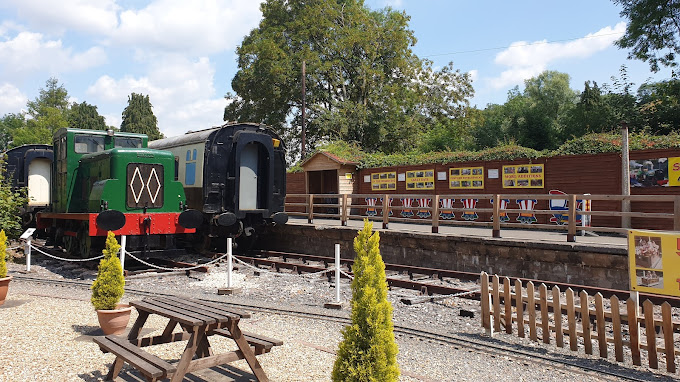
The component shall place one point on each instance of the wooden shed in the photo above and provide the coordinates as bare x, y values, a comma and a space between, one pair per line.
326, 173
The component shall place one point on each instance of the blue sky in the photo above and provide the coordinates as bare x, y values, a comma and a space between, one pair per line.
181, 53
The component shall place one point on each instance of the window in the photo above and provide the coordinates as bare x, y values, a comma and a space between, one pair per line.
89, 143
190, 168
128, 143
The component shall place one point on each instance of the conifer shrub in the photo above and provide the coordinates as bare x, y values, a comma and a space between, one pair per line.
3, 254
11, 203
109, 286
368, 351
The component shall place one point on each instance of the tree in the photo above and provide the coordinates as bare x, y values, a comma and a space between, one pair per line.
592, 114
9, 124
48, 113
85, 116
11, 203
653, 31
363, 83
659, 104
139, 118
52, 96
368, 351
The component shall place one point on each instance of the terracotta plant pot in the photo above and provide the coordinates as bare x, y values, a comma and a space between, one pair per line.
114, 321
4, 285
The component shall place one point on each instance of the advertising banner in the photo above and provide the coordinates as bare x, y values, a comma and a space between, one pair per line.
654, 262
523, 176
466, 178
420, 180
381, 181
654, 172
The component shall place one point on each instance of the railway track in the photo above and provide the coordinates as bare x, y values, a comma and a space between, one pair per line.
436, 278
479, 344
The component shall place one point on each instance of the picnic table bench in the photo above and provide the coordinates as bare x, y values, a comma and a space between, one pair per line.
198, 320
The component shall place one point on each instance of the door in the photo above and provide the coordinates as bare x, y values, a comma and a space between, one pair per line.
248, 190
39, 177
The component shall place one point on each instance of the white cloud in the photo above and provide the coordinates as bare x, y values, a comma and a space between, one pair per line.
525, 60
91, 16
393, 3
474, 75
11, 99
30, 52
181, 92
200, 27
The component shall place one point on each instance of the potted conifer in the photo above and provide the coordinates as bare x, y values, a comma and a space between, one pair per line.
107, 290
4, 279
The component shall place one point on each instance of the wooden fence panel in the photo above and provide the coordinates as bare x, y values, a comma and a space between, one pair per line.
531, 307
507, 301
585, 322
601, 333
496, 305
545, 321
616, 327
669, 344
519, 306
557, 313
650, 330
486, 306
634, 331
571, 318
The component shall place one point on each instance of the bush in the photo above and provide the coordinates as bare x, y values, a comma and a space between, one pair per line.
109, 286
3, 254
368, 351
11, 203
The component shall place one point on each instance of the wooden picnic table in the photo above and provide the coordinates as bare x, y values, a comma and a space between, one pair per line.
198, 320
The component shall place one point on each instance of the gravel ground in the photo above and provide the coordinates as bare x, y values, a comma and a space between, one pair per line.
47, 331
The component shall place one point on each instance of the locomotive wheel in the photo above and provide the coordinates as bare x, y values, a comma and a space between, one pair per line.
71, 246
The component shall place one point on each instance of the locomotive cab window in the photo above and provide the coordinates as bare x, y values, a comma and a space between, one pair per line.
128, 143
85, 144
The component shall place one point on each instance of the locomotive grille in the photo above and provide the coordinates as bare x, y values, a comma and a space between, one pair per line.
144, 185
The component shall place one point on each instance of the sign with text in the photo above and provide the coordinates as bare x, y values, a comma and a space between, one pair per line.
523, 176
654, 262
466, 177
383, 181
420, 180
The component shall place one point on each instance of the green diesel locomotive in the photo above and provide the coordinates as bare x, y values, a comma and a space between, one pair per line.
110, 181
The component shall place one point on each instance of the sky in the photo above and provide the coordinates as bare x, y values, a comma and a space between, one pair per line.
182, 53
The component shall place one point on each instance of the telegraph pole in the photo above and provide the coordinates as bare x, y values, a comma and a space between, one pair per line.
625, 175
304, 99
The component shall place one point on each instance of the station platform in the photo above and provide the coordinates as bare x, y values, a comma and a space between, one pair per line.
522, 235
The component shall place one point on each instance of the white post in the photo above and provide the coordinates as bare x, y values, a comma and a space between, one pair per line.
635, 295
28, 254
123, 240
337, 273
228, 262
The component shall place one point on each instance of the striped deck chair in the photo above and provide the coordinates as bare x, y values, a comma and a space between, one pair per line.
526, 206
502, 215
469, 204
446, 204
424, 203
408, 204
370, 206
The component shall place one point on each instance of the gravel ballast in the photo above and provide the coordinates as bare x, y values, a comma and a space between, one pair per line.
47, 330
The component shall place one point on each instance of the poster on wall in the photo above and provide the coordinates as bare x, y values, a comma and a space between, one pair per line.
382, 181
524, 176
420, 180
653, 172
653, 262
466, 177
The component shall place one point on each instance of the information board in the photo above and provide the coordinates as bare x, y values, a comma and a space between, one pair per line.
383, 181
420, 180
523, 176
654, 262
466, 177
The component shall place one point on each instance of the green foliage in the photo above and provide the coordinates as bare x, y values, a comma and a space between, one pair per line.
368, 351
109, 286
653, 31
363, 82
3, 254
139, 118
9, 124
11, 203
53, 96
85, 116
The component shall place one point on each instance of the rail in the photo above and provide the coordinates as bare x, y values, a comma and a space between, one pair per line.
572, 213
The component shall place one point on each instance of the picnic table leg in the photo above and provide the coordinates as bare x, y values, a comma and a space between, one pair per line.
114, 369
169, 328
204, 349
197, 334
138, 325
248, 354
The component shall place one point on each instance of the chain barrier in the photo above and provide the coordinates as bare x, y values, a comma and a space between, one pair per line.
13, 248
174, 269
310, 275
63, 259
347, 275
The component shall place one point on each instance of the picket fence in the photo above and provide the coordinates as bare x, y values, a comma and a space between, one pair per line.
547, 311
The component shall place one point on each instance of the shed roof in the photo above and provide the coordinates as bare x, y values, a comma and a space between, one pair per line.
330, 156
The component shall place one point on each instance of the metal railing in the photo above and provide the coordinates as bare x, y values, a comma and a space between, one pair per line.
347, 207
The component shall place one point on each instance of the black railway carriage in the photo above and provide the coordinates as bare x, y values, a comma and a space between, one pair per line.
29, 166
235, 174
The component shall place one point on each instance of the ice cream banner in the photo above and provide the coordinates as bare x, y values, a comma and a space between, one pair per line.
466, 177
420, 180
523, 176
383, 181
674, 172
654, 262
